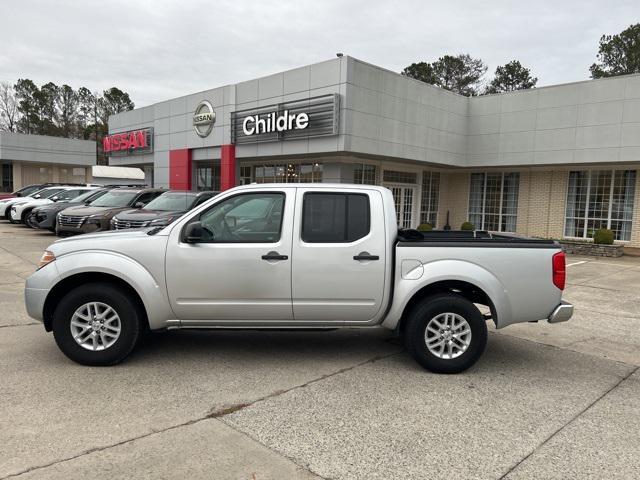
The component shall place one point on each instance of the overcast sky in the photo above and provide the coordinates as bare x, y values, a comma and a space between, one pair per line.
157, 50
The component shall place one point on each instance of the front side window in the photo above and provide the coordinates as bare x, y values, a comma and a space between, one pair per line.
600, 199
430, 197
335, 217
246, 218
493, 201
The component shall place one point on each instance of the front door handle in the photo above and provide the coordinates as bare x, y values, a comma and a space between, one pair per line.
274, 256
366, 256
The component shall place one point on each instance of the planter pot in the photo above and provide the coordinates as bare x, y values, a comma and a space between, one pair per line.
592, 249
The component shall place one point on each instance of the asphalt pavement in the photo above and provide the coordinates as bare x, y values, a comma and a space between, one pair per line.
545, 401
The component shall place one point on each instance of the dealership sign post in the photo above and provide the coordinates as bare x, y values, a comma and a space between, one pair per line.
130, 142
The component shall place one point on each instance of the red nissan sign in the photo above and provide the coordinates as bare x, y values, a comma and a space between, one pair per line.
133, 141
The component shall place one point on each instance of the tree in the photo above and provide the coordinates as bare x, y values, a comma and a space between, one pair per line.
47, 96
422, 71
113, 101
510, 77
87, 112
67, 111
9, 114
461, 73
27, 95
618, 54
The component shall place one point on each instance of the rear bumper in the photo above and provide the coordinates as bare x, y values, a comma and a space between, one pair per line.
561, 313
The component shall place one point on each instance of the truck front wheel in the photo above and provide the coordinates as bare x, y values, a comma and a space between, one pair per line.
445, 333
96, 324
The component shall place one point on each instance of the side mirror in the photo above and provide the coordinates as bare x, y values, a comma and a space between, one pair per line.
55, 199
193, 233
36, 195
138, 205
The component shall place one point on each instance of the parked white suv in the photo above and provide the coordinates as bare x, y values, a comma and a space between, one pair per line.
20, 210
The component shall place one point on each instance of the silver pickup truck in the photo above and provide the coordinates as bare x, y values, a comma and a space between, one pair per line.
295, 256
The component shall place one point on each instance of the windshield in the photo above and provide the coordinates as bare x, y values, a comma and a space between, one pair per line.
50, 193
114, 198
26, 191
90, 196
70, 194
172, 202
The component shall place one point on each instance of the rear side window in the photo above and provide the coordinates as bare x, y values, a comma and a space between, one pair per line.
335, 217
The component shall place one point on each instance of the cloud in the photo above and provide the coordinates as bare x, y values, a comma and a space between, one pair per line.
158, 50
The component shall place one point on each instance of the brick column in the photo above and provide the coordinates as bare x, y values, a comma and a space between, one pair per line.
228, 167
180, 169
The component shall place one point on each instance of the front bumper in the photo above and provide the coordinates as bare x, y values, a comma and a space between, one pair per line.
561, 313
34, 299
42, 220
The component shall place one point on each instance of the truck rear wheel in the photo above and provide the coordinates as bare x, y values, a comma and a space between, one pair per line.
96, 324
445, 333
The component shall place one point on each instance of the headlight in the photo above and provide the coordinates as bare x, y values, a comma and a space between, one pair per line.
95, 220
46, 259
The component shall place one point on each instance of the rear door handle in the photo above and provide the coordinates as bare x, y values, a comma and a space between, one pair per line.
366, 256
274, 256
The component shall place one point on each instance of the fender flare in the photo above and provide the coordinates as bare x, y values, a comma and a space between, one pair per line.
151, 291
448, 270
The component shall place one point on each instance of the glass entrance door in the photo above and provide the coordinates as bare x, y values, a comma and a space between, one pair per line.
403, 199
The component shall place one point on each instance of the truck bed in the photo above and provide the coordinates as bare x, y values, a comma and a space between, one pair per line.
465, 238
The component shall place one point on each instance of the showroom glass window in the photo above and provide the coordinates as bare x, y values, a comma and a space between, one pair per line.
493, 201
7, 178
430, 197
600, 199
364, 174
288, 173
208, 178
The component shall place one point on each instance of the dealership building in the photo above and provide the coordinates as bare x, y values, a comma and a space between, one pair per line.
557, 161
28, 159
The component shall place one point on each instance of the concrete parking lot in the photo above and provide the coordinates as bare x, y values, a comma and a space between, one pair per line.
546, 401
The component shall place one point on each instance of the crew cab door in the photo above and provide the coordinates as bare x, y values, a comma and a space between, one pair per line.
241, 269
338, 255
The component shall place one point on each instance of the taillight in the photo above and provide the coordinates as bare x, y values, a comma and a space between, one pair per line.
559, 270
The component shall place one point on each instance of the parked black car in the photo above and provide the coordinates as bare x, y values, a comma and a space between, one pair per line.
45, 215
162, 211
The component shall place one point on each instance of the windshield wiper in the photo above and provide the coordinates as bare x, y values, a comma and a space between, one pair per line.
154, 230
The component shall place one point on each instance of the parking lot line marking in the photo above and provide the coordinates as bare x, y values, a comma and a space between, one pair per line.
577, 263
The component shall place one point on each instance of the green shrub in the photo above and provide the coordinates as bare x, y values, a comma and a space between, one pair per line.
603, 236
467, 226
424, 227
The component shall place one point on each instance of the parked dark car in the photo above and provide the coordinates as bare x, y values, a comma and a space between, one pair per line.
162, 211
45, 215
97, 216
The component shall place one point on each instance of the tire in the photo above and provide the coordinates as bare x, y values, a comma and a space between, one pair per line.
24, 215
444, 348
104, 350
